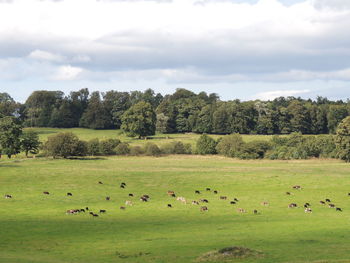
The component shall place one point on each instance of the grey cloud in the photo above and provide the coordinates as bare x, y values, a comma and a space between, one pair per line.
333, 4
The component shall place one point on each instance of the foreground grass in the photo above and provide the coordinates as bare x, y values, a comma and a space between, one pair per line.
35, 228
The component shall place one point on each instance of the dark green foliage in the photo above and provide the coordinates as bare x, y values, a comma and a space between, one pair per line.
205, 145
107, 147
139, 120
10, 132
230, 145
176, 148
122, 149
65, 144
342, 140
254, 150
30, 142
152, 149
162, 123
93, 147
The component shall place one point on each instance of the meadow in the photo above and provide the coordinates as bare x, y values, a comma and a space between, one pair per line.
35, 227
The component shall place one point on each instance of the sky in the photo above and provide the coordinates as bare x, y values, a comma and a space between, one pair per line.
245, 49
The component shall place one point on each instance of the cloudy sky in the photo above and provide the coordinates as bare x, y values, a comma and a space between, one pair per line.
242, 49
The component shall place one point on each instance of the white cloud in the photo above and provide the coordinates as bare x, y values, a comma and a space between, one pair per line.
67, 72
46, 56
270, 95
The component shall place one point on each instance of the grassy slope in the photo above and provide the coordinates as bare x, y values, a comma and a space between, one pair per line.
35, 228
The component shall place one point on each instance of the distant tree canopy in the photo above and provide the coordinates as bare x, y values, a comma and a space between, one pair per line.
182, 111
342, 140
10, 132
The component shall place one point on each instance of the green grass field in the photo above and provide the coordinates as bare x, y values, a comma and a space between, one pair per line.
35, 228
88, 134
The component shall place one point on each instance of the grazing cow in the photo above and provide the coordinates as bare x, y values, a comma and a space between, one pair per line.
265, 203
8, 196
102, 211
203, 208
69, 194
331, 205
255, 212
328, 200
195, 203
197, 192
339, 209
240, 210
288, 193
122, 208
215, 192
46, 193
131, 195
181, 199
95, 215
86, 208
128, 203
207, 189
143, 199
307, 204
204, 200
348, 194
173, 195
232, 202
91, 213
169, 205
82, 210
235, 199
308, 210
298, 187
146, 196
122, 186
322, 202
108, 198
100, 182
292, 205
170, 193
71, 211
223, 197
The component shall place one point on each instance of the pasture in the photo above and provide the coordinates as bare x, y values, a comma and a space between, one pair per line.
35, 227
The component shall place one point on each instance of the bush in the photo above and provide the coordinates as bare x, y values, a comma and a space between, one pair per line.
136, 150
93, 147
230, 145
176, 148
107, 147
253, 150
122, 149
65, 144
152, 149
205, 145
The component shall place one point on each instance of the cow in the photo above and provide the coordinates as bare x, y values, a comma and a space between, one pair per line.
288, 193
240, 210
331, 205
292, 205
69, 194
86, 208
265, 203
223, 197
348, 194
122, 186
171, 193
197, 192
102, 211
143, 199
122, 208
8, 196
204, 200
131, 195
235, 199
181, 199
46, 193
95, 215
71, 211
82, 210
308, 210
108, 198
195, 203
169, 205
298, 187
100, 182
255, 212
328, 200
338, 209
91, 213
207, 189
128, 203
203, 208
232, 202
215, 192
307, 204
322, 202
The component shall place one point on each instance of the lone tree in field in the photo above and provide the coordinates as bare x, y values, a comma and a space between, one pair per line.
342, 140
65, 144
139, 120
10, 133
30, 142
206, 145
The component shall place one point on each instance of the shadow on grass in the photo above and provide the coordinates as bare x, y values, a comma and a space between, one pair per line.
86, 158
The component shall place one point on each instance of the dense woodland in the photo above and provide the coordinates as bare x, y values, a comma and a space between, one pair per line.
182, 111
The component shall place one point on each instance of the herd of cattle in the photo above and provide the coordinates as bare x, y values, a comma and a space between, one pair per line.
200, 202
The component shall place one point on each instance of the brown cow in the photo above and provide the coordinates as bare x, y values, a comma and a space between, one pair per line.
203, 208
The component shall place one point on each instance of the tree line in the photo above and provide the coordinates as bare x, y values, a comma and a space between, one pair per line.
143, 113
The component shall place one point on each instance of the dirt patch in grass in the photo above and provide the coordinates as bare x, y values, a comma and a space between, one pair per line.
229, 254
